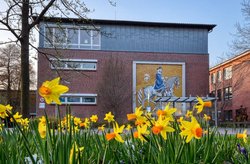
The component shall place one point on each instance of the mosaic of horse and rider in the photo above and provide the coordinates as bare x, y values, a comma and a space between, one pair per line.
163, 86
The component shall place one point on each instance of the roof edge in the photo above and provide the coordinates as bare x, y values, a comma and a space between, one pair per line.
209, 27
242, 54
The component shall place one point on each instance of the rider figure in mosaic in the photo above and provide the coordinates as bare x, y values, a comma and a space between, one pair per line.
159, 86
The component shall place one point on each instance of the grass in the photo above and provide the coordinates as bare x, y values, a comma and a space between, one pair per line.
18, 143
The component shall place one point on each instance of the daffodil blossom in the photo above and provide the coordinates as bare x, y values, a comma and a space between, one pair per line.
201, 104
191, 129
116, 133
51, 91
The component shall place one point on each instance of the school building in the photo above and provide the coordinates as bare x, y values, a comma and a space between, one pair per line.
229, 82
85, 48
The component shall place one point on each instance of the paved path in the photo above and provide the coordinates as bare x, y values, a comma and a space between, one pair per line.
233, 130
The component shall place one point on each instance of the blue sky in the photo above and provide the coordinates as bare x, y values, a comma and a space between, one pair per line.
224, 13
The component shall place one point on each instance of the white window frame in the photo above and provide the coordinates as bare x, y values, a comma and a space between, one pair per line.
227, 73
81, 95
219, 76
228, 93
66, 44
213, 78
81, 61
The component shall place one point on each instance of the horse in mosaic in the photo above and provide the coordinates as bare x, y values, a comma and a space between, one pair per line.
148, 93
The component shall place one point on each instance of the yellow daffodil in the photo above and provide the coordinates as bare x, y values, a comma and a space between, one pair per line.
42, 120
191, 129
129, 127
94, 118
85, 123
74, 150
180, 125
101, 128
25, 123
141, 121
4, 110
168, 113
17, 117
42, 129
51, 91
206, 117
1, 126
138, 113
180, 119
189, 114
77, 121
109, 117
162, 126
201, 104
242, 135
116, 133
141, 132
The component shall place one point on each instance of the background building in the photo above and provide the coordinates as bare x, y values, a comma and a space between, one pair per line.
85, 50
230, 82
15, 100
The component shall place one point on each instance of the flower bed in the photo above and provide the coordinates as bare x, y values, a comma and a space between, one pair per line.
159, 139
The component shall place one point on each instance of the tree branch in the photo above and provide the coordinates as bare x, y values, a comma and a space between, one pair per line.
38, 19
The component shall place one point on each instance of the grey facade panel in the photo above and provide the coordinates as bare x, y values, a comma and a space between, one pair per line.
154, 39
149, 39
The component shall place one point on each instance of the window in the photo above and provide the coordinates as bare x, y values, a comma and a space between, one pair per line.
213, 79
228, 93
228, 115
72, 38
73, 98
227, 73
219, 75
69, 37
73, 64
59, 36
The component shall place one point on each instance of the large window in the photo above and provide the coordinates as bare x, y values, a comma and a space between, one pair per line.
228, 115
228, 94
73, 98
72, 37
213, 79
227, 73
73, 64
219, 75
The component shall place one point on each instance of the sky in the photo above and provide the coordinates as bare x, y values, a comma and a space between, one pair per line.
223, 13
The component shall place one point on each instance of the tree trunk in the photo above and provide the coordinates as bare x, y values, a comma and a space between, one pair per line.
25, 82
8, 82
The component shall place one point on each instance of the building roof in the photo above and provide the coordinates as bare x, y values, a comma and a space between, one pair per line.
241, 55
209, 27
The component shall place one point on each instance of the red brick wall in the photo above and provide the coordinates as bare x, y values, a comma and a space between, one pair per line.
196, 67
240, 83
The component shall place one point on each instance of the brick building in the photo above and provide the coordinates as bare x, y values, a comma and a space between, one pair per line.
15, 100
83, 49
230, 82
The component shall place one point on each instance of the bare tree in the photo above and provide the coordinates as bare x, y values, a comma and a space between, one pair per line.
113, 86
10, 66
242, 35
21, 17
